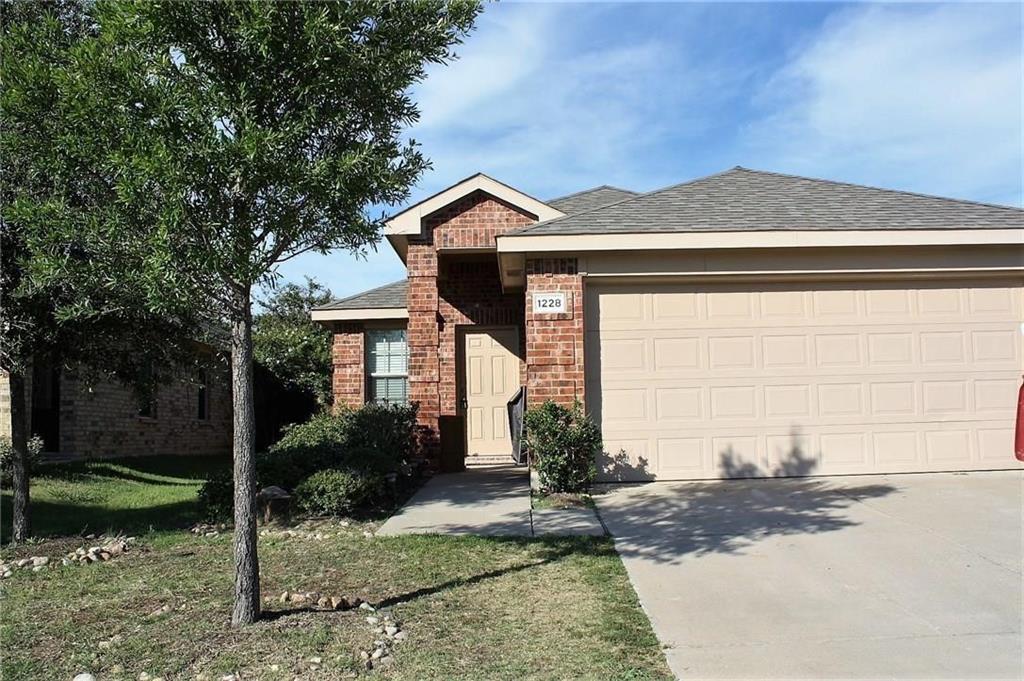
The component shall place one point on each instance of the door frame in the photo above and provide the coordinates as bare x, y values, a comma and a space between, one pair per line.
460, 367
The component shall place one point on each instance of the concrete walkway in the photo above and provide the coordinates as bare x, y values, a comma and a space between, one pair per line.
493, 501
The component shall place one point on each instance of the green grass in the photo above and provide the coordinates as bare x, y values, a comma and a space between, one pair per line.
473, 608
133, 495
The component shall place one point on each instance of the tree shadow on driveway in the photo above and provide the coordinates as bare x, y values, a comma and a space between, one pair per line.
666, 521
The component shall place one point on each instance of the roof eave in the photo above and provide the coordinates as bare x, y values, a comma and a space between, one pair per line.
359, 314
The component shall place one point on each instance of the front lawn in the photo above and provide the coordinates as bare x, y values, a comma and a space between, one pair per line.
474, 608
133, 495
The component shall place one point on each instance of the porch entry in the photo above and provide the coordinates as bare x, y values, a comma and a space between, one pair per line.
490, 379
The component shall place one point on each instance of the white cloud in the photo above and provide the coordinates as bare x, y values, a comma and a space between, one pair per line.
927, 99
540, 101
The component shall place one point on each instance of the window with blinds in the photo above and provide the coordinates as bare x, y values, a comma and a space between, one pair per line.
387, 366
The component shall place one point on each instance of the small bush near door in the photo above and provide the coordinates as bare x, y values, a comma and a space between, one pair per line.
562, 443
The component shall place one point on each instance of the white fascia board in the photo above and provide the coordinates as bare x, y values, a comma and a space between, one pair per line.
410, 220
361, 314
654, 241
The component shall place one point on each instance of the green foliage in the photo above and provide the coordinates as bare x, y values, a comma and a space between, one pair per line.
295, 349
338, 491
563, 443
374, 438
217, 495
35, 451
369, 443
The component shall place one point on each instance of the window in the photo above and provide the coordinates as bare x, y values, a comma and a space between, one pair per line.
147, 392
387, 366
203, 397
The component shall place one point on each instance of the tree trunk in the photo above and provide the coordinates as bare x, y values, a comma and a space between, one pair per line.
19, 466
247, 567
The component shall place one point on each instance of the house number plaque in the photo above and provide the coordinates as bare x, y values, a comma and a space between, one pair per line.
549, 303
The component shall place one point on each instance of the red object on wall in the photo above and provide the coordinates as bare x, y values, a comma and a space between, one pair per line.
1018, 436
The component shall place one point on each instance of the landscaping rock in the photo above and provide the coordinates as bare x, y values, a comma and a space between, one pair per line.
40, 561
84, 676
339, 603
315, 660
401, 636
372, 620
162, 610
24, 562
38, 568
385, 661
285, 596
363, 605
391, 630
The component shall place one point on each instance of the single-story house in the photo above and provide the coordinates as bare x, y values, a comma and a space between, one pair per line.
743, 324
76, 418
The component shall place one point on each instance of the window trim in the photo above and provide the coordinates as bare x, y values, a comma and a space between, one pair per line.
369, 375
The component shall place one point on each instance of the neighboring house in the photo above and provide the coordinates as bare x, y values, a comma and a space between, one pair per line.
742, 324
76, 418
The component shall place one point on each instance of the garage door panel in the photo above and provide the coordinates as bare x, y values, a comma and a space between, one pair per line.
796, 381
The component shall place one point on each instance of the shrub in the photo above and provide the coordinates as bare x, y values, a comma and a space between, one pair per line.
375, 438
336, 492
562, 443
374, 441
217, 496
35, 451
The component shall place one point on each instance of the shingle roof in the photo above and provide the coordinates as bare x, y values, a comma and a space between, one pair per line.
590, 199
741, 199
388, 295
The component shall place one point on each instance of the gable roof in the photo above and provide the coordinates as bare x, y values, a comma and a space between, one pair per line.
386, 296
741, 199
408, 220
590, 199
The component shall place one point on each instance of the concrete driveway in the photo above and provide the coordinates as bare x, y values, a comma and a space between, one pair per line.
899, 576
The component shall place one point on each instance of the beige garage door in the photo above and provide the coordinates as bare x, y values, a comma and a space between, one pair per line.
698, 381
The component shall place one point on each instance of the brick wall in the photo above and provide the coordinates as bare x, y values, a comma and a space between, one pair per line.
458, 291
101, 419
348, 381
554, 342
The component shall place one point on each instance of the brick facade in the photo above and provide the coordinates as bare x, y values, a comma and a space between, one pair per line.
554, 343
447, 291
348, 357
101, 419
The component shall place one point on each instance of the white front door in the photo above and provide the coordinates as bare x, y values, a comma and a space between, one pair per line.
491, 379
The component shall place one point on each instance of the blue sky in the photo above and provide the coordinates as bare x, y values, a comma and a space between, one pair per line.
554, 98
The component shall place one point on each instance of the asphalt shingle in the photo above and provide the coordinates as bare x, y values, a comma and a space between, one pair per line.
388, 295
741, 199
590, 199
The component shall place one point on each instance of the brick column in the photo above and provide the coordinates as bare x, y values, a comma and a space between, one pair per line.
554, 342
422, 337
348, 382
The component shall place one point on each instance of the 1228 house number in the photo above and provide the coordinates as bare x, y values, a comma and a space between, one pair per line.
548, 303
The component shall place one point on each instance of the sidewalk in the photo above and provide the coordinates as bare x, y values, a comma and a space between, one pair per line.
491, 501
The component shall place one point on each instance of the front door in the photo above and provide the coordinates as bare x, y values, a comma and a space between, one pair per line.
491, 378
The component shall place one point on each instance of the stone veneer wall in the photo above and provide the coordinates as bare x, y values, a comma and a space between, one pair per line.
554, 343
